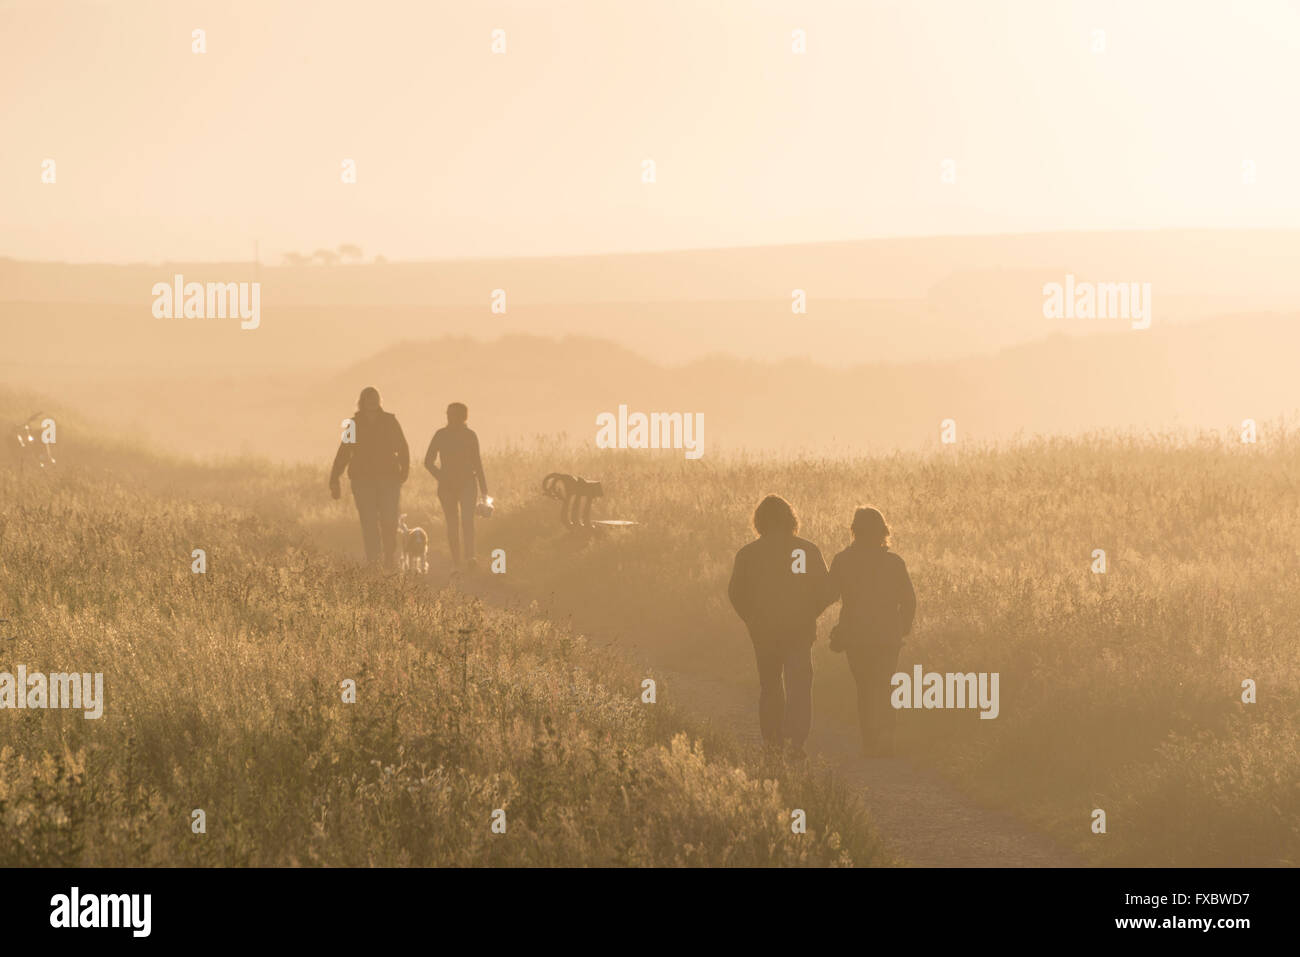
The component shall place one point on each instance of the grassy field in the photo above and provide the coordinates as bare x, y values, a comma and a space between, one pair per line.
1119, 691
223, 693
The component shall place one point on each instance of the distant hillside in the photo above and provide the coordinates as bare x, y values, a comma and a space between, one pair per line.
1209, 375
1204, 262
892, 300
1203, 375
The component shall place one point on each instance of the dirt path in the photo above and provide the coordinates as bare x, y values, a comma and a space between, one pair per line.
923, 817
927, 821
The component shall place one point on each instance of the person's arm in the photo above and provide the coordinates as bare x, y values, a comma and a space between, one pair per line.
403, 451
341, 459
822, 582
907, 598
832, 587
478, 468
431, 456
738, 590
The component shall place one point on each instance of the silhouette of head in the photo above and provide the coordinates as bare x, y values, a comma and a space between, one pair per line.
368, 401
869, 526
457, 413
774, 516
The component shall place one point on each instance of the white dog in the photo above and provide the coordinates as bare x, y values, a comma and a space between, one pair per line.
415, 547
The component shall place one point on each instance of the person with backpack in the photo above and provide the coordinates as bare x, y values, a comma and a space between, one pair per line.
377, 459
876, 614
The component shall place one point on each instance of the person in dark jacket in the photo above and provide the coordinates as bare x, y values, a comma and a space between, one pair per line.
779, 585
375, 454
460, 478
879, 605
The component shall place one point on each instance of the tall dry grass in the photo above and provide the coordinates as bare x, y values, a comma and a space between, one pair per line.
223, 693
1120, 691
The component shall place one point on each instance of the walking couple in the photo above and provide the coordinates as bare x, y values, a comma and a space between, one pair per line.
780, 585
377, 460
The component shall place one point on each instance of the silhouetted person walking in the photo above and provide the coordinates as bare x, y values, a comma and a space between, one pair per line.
460, 478
879, 606
377, 462
779, 586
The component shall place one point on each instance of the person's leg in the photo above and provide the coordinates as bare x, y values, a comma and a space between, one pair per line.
860, 667
883, 665
450, 510
771, 694
468, 500
366, 495
390, 497
797, 663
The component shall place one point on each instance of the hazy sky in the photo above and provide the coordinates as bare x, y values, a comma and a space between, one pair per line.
162, 153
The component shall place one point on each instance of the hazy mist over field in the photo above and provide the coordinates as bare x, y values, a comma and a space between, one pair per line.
417, 192
877, 361
1004, 295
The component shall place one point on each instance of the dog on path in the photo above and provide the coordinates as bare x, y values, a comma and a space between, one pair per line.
415, 547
